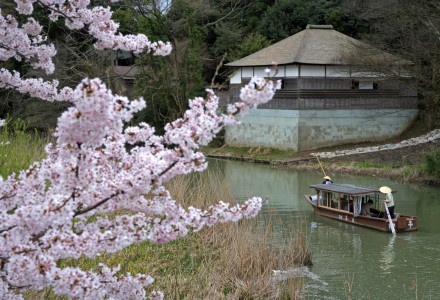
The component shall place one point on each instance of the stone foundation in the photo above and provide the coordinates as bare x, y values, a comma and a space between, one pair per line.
301, 130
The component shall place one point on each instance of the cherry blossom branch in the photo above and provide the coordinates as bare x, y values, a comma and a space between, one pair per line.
81, 212
43, 211
7, 229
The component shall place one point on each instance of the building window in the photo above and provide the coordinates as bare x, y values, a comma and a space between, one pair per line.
355, 85
282, 83
124, 58
364, 85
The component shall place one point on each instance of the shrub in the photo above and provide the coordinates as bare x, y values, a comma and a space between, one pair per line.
431, 163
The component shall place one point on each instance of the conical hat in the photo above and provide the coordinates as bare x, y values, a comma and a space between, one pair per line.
385, 190
327, 177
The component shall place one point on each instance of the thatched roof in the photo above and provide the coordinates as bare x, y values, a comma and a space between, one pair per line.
317, 44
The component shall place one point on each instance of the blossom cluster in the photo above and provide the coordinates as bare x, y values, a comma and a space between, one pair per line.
26, 42
59, 207
257, 91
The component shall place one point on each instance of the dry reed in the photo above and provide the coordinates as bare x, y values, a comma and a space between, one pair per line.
242, 255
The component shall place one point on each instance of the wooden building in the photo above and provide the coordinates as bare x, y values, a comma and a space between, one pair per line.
331, 77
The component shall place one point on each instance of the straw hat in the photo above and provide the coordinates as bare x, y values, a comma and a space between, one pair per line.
385, 190
327, 177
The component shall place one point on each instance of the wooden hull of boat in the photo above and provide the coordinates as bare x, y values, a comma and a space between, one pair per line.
402, 223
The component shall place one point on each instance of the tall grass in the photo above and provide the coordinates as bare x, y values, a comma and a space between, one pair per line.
243, 255
228, 261
19, 147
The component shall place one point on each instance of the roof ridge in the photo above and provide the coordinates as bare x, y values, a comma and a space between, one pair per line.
313, 26
303, 44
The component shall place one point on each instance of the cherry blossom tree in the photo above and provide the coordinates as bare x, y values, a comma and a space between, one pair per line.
97, 166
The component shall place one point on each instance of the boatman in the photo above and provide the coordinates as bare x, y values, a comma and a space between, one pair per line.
327, 180
389, 201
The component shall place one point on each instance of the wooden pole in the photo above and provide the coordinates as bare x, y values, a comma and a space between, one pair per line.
393, 230
317, 157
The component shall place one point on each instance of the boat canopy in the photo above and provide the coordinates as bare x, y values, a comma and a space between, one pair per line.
348, 189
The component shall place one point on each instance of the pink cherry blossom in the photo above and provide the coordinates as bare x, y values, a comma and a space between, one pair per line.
90, 170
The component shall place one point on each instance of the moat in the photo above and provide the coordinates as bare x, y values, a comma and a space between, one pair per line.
349, 261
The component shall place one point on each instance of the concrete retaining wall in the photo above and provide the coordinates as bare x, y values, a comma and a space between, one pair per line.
312, 129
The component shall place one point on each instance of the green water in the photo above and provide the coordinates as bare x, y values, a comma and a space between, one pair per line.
350, 262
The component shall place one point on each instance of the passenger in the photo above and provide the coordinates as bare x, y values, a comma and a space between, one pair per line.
344, 202
314, 199
389, 201
327, 180
365, 211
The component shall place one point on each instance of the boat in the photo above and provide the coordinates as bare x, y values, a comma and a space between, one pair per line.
343, 202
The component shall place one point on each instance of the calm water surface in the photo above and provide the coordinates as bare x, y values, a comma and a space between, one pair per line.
350, 262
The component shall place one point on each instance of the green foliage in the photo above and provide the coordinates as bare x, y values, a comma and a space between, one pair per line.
431, 163
166, 83
251, 44
409, 29
19, 148
285, 18
228, 36
346, 23
76, 59
253, 14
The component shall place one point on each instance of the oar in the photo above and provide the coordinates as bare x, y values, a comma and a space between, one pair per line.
390, 220
317, 157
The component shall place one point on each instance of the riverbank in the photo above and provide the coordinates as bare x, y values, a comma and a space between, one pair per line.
403, 164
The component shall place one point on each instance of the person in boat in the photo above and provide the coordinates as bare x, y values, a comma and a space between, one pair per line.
389, 201
365, 211
344, 202
327, 180
326, 195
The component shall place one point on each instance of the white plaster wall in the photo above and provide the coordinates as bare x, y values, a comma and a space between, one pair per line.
260, 71
236, 77
313, 129
247, 72
312, 71
280, 72
292, 71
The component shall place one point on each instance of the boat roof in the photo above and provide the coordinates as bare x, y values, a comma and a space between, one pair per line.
345, 189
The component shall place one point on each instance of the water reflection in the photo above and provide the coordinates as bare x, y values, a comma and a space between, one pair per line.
388, 255
352, 261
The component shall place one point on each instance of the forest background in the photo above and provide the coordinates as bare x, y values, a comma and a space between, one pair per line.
207, 34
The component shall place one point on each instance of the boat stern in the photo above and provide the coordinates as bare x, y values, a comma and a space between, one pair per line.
406, 223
